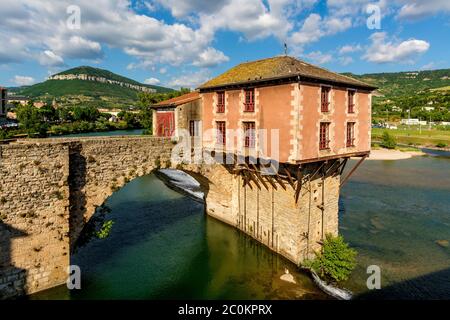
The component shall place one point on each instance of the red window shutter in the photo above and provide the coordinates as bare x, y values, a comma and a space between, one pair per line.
351, 101
350, 134
220, 102
250, 134
324, 142
221, 132
324, 99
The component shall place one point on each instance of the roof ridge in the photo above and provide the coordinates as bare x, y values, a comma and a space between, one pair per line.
280, 66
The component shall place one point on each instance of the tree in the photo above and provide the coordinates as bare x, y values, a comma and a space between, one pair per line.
64, 114
48, 113
336, 261
388, 141
85, 114
146, 119
31, 119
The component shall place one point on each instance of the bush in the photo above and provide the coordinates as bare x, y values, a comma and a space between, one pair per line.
441, 145
336, 261
388, 141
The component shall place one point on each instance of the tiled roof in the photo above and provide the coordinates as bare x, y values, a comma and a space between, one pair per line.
185, 98
278, 68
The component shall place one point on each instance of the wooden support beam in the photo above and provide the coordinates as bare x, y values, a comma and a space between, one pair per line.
258, 175
299, 183
269, 179
332, 168
318, 170
246, 179
353, 170
250, 175
291, 181
343, 165
280, 181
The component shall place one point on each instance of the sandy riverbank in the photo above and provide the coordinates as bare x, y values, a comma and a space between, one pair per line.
387, 154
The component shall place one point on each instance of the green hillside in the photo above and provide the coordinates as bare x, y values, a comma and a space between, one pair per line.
86, 93
406, 83
97, 72
404, 94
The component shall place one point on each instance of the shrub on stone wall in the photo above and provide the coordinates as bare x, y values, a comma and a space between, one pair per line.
336, 261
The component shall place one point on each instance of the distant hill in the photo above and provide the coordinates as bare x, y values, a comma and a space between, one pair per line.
406, 83
88, 86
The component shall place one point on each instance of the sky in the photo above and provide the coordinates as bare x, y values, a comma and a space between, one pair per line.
182, 43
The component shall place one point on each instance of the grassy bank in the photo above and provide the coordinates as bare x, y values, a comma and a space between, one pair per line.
429, 138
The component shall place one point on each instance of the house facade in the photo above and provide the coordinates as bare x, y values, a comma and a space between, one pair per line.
177, 116
3, 101
288, 109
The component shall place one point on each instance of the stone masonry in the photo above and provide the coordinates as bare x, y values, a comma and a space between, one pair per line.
50, 188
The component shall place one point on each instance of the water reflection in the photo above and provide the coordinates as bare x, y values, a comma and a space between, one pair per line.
162, 246
397, 215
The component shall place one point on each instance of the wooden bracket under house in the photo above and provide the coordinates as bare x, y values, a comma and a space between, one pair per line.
294, 176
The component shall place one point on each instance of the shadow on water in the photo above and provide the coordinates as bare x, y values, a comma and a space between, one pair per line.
432, 286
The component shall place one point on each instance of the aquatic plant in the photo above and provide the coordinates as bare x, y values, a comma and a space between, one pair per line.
336, 260
105, 230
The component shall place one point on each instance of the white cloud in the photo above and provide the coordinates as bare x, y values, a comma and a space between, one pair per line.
152, 81
12, 50
23, 80
349, 49
192, 80
50, 59
382, 50
210, 58
319, 57
77, 47
255, 19
163, 70
428, 66
315, 27
183, 8
418, 9
345, 61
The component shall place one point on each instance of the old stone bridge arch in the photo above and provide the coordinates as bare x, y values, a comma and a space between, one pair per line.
50, 188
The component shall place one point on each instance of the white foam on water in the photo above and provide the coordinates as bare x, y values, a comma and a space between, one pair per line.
184, 181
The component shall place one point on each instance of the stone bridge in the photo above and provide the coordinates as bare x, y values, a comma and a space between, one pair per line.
50, 188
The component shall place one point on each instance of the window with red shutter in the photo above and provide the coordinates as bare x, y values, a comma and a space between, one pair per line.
221, 132
324, 136
351, 101
249, 104
220, 102
350, 134
325, 103
250, 134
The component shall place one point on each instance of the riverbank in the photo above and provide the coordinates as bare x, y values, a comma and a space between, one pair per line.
393, 154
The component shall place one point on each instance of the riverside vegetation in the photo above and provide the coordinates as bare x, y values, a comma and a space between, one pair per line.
335, 262
47, 120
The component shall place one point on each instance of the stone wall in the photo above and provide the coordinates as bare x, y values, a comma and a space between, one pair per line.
272, 216
49, 189
34, 217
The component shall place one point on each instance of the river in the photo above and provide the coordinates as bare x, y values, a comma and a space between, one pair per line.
162, 246
129, 132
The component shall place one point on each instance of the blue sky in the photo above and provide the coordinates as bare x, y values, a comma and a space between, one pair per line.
183, 43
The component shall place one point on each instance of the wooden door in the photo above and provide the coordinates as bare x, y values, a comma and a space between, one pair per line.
165, 123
